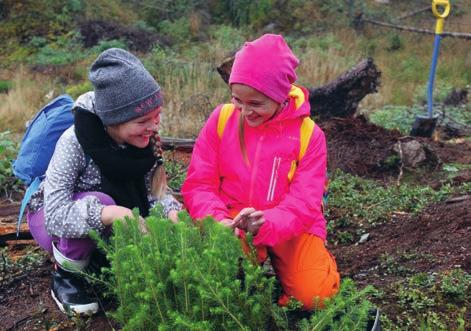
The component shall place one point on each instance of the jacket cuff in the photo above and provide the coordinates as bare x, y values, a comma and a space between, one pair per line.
94, 215
265, 236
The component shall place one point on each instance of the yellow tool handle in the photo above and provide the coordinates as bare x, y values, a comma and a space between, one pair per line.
445, 4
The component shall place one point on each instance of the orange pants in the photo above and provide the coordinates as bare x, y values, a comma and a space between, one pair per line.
306, 270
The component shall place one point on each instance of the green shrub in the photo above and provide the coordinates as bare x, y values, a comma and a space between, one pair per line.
66, 49
455, 285
430, 301
178, 30
5, 85
38, 42
184, 277
394, 42
349, 310
244, 12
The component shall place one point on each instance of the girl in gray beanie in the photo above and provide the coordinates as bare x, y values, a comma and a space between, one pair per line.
106, 164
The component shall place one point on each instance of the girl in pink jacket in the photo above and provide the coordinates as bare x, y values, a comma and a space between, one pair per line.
251, 172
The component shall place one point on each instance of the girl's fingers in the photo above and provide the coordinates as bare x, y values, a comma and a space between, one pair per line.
256, 214
255, 226
242, 214
227, 222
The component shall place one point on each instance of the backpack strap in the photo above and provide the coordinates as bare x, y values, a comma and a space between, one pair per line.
29, 192
224, 115
306, 131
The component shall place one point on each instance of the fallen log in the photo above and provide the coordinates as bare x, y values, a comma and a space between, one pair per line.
178, 144
9, 238
341, 97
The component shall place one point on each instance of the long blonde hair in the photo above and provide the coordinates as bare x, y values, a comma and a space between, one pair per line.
159, 177
243, 147
159, 182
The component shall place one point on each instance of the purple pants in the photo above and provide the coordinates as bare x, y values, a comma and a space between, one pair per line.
72, 248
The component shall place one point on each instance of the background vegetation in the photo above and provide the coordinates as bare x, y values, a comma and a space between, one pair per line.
48, 46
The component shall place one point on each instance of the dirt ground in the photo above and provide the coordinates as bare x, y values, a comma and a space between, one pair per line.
438, 239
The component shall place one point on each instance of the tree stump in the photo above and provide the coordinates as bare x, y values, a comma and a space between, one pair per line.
341, 97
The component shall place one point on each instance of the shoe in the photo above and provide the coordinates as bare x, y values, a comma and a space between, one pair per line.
72, 293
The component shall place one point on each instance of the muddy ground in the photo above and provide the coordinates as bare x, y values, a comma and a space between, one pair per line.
439, 238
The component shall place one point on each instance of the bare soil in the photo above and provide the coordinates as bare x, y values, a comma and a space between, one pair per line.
437, 239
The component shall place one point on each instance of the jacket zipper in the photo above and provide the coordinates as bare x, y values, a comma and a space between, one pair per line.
255, 168
273, 178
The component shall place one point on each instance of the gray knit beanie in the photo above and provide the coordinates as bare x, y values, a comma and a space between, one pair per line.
124, 89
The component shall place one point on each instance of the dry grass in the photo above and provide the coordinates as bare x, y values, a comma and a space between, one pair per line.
190, 98
407, 69
193, 87
404, 71
23, 100
320, 66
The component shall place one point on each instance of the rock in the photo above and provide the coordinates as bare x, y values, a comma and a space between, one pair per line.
414, 153
364, 237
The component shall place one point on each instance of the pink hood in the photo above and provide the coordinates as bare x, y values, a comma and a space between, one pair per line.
219, 182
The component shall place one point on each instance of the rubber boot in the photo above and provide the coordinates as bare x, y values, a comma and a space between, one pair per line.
69, 289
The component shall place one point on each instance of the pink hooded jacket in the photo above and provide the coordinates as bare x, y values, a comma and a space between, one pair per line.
219, 180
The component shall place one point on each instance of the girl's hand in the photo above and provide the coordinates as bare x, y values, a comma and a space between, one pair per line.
241, 220
255, 221
227, 222
111, 213
173, 216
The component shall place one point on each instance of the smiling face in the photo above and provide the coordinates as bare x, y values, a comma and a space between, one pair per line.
256, 107
136, 132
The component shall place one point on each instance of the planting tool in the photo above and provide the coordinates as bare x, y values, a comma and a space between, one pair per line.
424, 125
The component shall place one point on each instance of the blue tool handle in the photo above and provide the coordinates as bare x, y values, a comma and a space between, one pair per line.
436, 48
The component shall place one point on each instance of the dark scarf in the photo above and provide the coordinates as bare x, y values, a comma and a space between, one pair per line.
123, 170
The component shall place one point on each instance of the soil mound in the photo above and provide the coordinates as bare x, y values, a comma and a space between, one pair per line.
364, 149
359, 147
437, 239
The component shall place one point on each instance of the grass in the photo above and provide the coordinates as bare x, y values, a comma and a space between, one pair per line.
192, 87
428, 301
356, 205
25, 97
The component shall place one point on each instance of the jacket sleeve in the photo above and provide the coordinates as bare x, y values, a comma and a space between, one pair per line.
201, 187
300, 209
65, 217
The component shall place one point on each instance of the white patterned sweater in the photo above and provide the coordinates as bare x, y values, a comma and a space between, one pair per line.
70, 172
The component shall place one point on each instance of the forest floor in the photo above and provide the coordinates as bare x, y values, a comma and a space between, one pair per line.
435, 240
